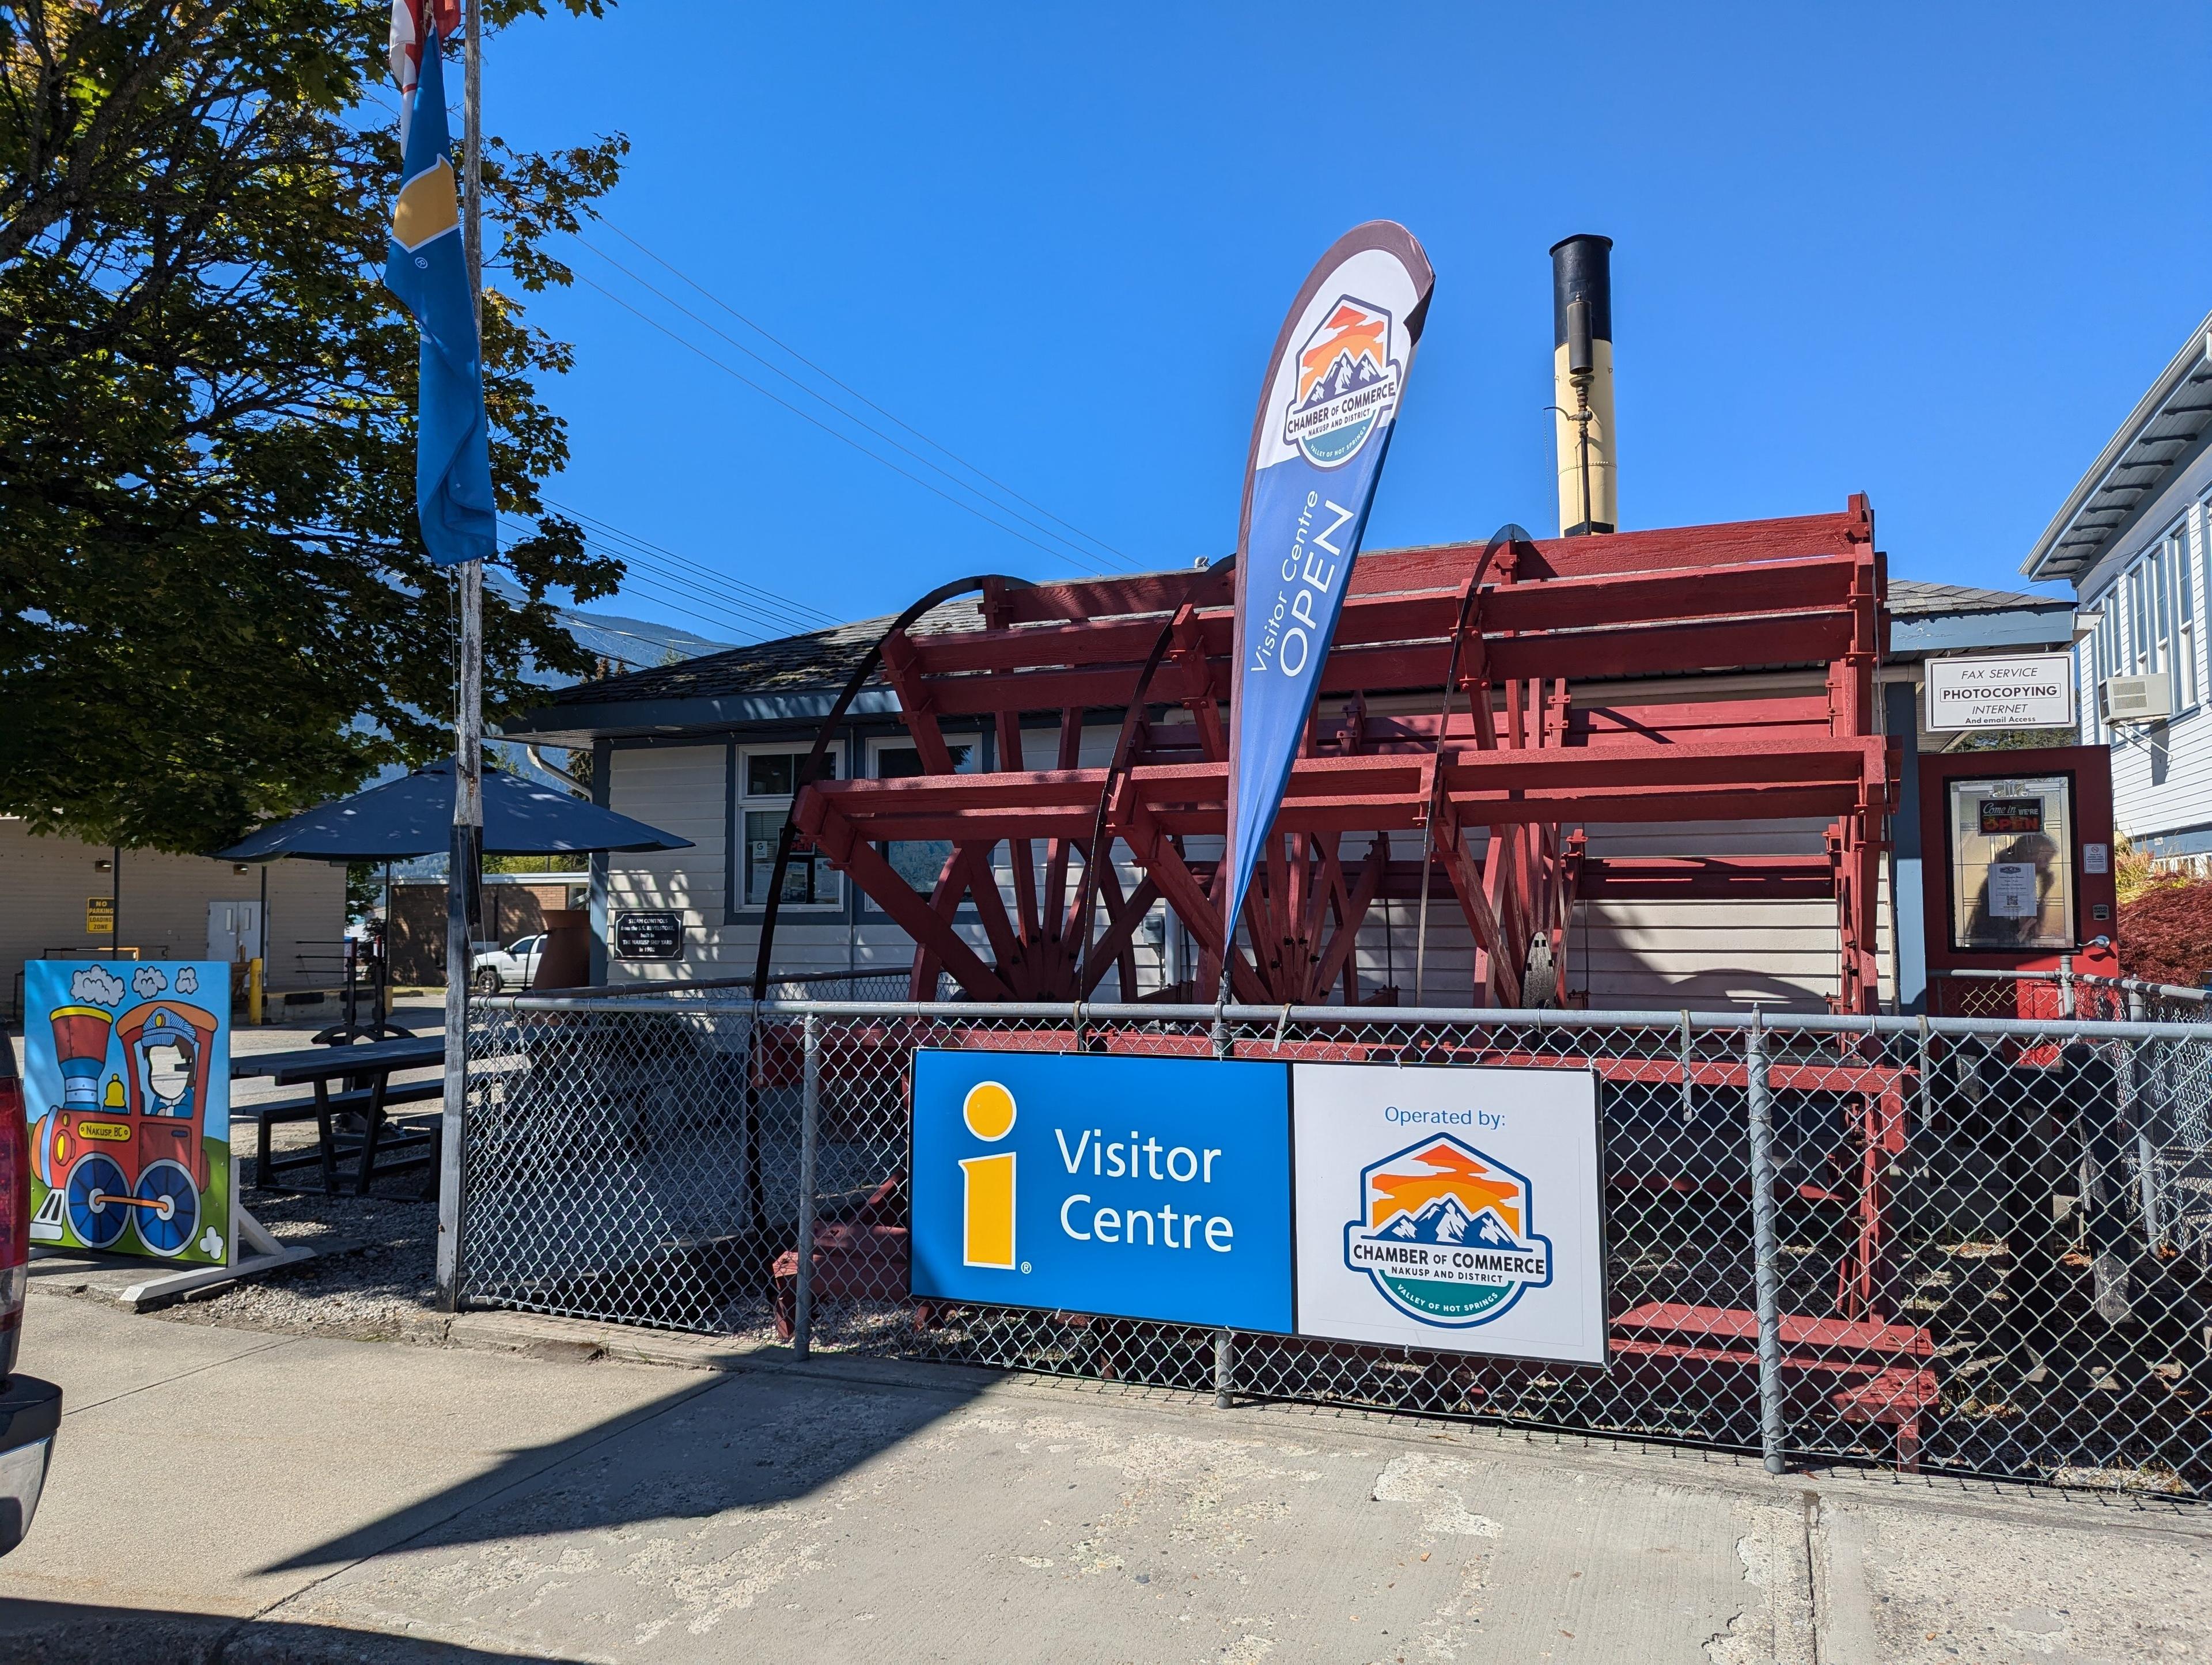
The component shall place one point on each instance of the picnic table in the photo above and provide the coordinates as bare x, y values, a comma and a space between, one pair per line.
364, 1075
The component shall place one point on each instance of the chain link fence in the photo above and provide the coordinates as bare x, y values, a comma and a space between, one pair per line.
1972, 1245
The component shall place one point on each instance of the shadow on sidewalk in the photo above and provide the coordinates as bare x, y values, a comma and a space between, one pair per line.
43, 1632
743, 1441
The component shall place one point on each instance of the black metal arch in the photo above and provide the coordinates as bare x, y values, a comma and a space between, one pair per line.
811, 770
1511, 535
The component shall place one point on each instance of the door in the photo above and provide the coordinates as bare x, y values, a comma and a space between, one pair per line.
233, 931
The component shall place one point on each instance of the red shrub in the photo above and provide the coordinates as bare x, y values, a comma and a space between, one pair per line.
2165, 934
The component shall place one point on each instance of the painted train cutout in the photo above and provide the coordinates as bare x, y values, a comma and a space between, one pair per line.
122, 1152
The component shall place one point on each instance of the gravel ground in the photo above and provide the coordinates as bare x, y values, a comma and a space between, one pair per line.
383, 1290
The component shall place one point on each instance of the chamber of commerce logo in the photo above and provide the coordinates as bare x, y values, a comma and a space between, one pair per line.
1347, 383
1447, 1233
987, 1200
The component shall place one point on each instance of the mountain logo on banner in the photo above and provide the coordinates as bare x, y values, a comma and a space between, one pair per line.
1445, 1233
1347, 383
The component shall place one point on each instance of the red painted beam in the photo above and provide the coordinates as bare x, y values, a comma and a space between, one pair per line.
1742, 877
1747, 767
1654, 650
1668, 724
889, 808
1816, 587
1446, 566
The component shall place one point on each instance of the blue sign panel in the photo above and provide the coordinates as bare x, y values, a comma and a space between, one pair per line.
1135, 1188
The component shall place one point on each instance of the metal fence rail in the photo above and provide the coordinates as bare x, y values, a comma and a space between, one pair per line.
1978, 1246
2067, 995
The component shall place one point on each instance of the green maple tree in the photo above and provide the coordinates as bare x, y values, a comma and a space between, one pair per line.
215, 605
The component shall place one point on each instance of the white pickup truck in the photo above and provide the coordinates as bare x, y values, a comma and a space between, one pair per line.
497, 970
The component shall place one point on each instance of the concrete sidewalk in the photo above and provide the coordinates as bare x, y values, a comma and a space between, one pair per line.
228, 1494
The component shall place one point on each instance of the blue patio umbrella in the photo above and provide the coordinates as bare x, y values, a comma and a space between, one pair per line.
414, 816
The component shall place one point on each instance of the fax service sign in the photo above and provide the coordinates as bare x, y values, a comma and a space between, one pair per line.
1136, 1188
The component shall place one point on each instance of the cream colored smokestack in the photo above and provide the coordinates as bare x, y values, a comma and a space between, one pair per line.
1582, 382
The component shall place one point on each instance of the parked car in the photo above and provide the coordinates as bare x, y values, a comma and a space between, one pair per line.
30, 1410
496, 970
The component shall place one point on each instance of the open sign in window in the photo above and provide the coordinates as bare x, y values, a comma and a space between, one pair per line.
2012, 863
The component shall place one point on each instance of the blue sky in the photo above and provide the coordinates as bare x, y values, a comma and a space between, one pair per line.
1933, 253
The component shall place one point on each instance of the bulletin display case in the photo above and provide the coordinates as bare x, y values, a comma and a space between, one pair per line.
2018, 874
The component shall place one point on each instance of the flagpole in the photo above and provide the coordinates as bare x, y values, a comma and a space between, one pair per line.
466, 861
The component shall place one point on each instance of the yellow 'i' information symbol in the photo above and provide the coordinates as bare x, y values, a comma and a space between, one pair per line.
986, 1212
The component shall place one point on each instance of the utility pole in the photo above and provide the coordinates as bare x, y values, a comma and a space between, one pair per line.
464, 866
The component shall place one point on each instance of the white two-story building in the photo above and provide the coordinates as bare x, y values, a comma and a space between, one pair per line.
2133, 539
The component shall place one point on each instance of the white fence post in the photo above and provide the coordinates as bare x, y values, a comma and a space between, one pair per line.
809, 1117
2146, 1148
1765, 1250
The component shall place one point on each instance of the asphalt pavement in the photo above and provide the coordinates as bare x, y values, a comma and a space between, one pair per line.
234, 1495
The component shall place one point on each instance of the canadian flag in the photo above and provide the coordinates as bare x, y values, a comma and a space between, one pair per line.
410, 23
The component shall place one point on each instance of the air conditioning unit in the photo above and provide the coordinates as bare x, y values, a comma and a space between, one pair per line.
2138, 699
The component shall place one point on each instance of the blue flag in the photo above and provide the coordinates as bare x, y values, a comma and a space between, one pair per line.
428, 271
1325, 422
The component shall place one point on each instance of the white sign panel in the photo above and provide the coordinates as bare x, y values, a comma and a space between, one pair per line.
1449, 1207
2012, 890
2022, 691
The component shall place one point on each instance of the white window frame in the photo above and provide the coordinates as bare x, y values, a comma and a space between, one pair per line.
2106, 643
2142, 638
744, 801
2181, 580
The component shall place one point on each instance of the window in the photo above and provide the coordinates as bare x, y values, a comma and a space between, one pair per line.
767, 780
2162, 601
2108, 649
2143, 658
2184, 656
2204, 563
919, 861
2012, 863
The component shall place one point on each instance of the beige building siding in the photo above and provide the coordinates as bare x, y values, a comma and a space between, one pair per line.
1664, 955
681, 789
44, 883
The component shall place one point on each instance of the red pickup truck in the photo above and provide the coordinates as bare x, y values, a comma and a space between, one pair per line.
30, 1410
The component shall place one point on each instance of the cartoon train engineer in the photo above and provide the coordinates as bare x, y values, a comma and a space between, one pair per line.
130, 1157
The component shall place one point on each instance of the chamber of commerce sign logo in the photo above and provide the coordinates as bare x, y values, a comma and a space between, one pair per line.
1347, 383
1447, 1233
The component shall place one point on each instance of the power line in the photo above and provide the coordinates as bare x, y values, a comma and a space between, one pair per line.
758, 625
799, 608
738, 375
639, 567
1117, 558
889, 416
728, 616
748, 632
780, 611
